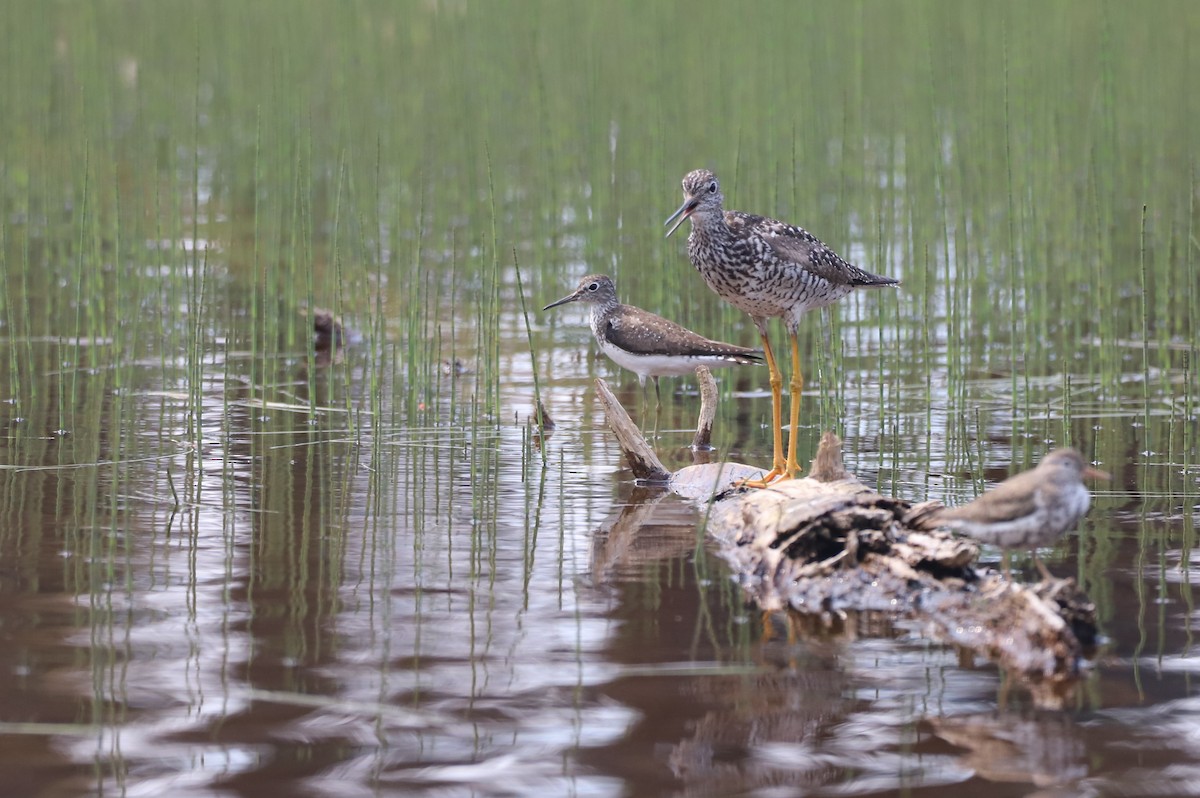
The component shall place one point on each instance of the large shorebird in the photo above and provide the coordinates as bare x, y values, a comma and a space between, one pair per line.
769, 269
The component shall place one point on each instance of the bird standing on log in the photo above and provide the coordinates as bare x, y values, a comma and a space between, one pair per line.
768, 269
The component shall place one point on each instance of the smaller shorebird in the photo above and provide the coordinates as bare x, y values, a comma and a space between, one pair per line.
645, 343
767, 268
1028, 510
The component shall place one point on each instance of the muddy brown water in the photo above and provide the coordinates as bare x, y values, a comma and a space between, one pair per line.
304, 627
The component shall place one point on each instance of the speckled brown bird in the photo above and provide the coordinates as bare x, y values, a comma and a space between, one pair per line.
646, 343
1028, 510
768, 269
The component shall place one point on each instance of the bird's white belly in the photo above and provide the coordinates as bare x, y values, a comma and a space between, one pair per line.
1026, 532
657, 365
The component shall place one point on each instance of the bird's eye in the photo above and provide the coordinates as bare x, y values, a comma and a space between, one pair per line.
712, 187
594, 287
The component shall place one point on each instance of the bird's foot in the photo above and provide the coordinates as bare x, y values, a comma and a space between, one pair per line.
777, 473
792, 470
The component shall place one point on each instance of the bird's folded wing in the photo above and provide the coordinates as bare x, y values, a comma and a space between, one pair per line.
637, 337
997, 506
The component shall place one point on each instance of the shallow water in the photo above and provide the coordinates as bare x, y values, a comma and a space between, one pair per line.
231, 567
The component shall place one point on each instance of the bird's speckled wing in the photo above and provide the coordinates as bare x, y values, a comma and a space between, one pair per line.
643, 333
796, 245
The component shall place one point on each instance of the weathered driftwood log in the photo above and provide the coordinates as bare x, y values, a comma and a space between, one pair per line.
829, 544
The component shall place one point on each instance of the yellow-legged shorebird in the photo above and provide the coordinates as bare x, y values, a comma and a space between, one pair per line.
646, 343
769, 269
1028, 510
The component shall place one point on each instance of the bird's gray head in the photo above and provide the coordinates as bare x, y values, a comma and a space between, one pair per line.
595, 288
1068, 464
701, 194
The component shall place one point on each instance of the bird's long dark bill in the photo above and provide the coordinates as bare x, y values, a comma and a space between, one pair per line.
563, 301
1095, 473
686, 209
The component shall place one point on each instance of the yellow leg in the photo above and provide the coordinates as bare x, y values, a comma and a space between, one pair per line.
778, 467
797, 385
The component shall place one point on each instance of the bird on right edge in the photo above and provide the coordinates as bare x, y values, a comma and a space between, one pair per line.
1026, 511
768, 269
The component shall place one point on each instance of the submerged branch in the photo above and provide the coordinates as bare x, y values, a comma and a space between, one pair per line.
642, 459
708, 410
